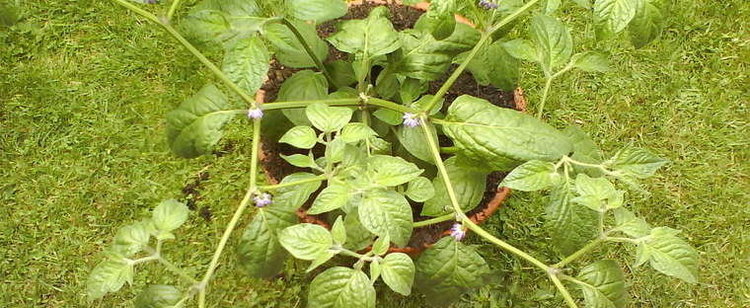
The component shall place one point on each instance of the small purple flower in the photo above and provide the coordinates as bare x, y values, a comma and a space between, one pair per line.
488, 4
261, 200
254, 113
410, 120
457, 232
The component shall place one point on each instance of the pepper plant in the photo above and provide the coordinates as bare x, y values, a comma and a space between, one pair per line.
368, 142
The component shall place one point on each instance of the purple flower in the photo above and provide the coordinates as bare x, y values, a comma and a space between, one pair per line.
457, 232
261, 200
254, 113
488, 4
410, 120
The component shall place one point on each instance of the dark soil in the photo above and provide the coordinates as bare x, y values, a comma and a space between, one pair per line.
192, 195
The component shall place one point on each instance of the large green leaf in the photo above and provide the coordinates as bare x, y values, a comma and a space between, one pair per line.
468, 184
448, 269
628, 223
108, 276
496, 135
387, 212
612, 16
647, 22
531, 176
424, 58
170, 215
306, 241
316, 10
670, 254
604, 285
223, 21
259, 251
385, 170
246, 64
590, 61
414, 141
398, 272
420, 189
158, 296
598, 194
358, 237
303, 85
584, 150
570, 225
289, 50
195, 126
131, 239
327, 118
341, 287
333, 197
301, 136
373, 36
553, 42
636, 163
493, 65
295, 196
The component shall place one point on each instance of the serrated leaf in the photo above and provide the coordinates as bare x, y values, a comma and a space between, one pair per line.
358, 236
326, 118
195, 126
570, 225
170, 215
158, 296
597, 194
604, 285
494, 65
413, 140
440, 27
420, 189
584, 150
373, 36
302, 137
316, 10
332, 197
387, 212
501, 136
259, 251
246, 64
531, 176
591, 61
448, 269
338, 231
636, 163
381, 245
295, 196
387, 170
303, 85
223, 21
306, 241
552, 40
630, 224
388, 116
671, 255
355, 132
647, 23
320, 260
468, 185
131, 239
375, 270
108, 276
341, 287
522, 49
343, 76
398, 272
299, 160
288, 49
612, 16
550, 6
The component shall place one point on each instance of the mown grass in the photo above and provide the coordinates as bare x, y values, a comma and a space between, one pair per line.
84, 87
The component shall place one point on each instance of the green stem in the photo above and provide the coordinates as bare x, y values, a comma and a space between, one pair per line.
433, 221
173, 9
303, 104
545, 93
390, 105
591, 245
449, 150
300, 182
308, 49
178, 271
563, 291
236, 217
622, 240
491, 238
435, 149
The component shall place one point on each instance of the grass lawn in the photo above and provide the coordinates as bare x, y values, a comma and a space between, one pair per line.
84, 87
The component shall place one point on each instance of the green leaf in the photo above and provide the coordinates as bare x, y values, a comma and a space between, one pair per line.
398, 272
295, 196
108, 276
531, 176
316, 10
306, 241
247, 63
522, 49
448, 269
636, 163
419, 58
570, 225
420, 189
553, 41
630, 224
320, 260
170, 215
299, 160
302, 137
259, 252
387, 170
388, 116
326, 118
289, 51
195, 126
584, 150
373, 36
604, 285
338, 231
414, 141
158, 296
131, 239
375, 270
358, 236
586, 4
550, 6
223, 21
440, 27
469, 186
647, 23
381, 245
501, 136
591, 61
342, 73
332, 197
387, 212
670, 254
612, 16
335, 150
355, 132
597, 194
494, 65
341, 287
302, 86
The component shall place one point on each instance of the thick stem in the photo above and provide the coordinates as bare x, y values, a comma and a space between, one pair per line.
433, 221
173, 9
308, 49
563, 291
390, 105
236, 217
435, 149
591, 245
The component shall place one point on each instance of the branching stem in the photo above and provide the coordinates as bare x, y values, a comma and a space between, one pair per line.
300, 182
318, 63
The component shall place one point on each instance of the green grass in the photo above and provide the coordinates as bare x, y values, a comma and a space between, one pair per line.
84, 87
